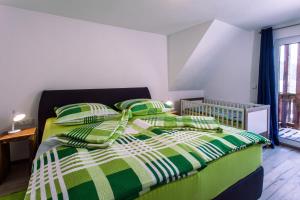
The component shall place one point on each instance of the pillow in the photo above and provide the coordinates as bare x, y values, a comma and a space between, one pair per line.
84, 113
144, 106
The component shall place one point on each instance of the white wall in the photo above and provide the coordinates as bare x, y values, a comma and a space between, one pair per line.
237, 69
175, 96
255, 67
181, 46
41, 51
216, 57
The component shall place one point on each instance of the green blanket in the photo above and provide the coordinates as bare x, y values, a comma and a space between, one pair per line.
99, 135
103, 134
202, 123
144, 156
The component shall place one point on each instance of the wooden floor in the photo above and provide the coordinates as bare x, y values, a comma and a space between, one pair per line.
17, 179
282, 175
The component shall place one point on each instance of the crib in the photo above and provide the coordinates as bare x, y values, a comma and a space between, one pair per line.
247, 116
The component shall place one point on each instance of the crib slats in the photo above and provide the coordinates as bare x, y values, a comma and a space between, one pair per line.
223, 114
232, 115
227, 117
237, 119
243, 120
218, 113
227, 113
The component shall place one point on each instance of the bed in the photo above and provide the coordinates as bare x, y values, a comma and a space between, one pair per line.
238, 175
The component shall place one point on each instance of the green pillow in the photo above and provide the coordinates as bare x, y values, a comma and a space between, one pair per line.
144, 106
84, 113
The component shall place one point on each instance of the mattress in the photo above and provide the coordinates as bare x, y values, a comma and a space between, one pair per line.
214, 179
206, 184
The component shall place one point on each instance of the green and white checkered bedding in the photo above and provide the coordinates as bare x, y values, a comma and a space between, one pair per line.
103, 134
84, 113
144, 106
203, 123
142, 158
97, 135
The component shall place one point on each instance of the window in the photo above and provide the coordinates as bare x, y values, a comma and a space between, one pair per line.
289, 86
289, 54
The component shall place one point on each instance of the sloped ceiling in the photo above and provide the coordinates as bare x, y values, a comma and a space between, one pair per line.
168, 16
195, 54
181, 47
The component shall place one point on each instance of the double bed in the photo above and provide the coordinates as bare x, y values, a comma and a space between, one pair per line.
238, 175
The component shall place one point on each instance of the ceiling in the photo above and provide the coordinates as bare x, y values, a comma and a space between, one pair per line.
168, 16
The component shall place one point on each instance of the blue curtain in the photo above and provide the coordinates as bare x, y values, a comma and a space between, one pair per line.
267, 82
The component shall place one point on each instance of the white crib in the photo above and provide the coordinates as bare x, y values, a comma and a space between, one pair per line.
251, 117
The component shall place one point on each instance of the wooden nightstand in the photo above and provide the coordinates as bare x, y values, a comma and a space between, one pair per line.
5, 139
175, 112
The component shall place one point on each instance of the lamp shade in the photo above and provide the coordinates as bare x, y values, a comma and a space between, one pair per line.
169, 103
18, 117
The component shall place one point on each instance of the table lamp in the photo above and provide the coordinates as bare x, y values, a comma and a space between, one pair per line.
16, 117
169, 103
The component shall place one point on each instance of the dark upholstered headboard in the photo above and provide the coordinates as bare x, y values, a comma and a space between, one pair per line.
57, 98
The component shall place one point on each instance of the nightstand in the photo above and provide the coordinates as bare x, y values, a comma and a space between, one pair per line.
25, 134
175, 112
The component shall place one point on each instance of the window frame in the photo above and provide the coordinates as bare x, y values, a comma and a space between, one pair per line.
277, 43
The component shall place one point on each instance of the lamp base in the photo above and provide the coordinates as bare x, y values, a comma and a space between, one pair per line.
14, 131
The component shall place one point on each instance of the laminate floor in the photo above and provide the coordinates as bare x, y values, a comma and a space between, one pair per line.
281, 180
17, 178
282, 174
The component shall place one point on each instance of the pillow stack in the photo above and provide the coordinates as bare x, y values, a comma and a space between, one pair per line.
144, 106
84, 113
101, 124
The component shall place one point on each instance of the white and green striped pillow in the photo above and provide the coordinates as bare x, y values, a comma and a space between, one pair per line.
144, 106
84, 113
